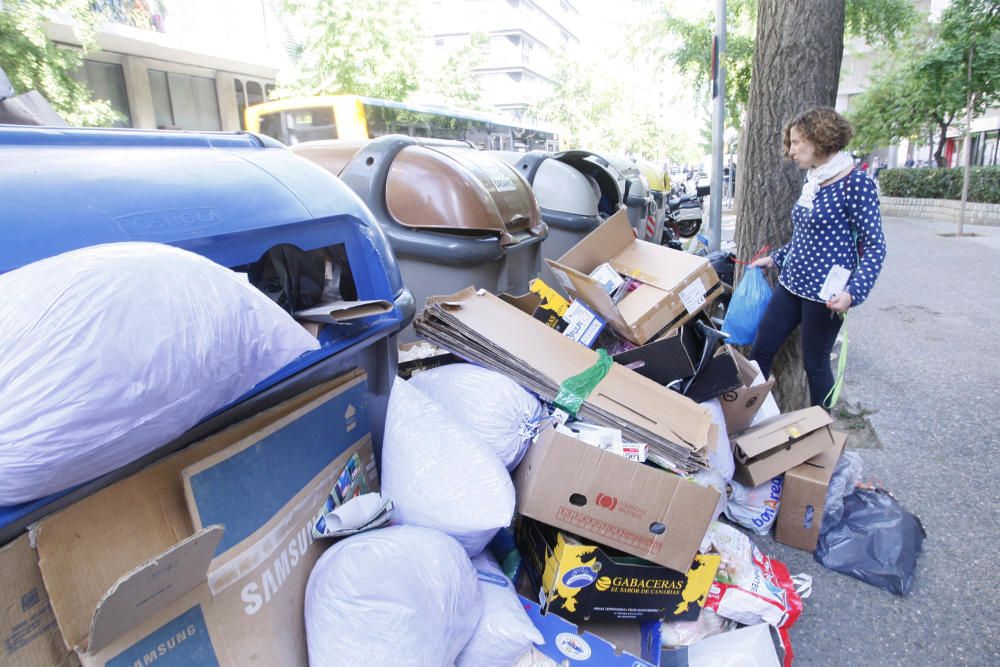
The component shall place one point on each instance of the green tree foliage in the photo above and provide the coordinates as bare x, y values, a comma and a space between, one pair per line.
453, 78
598, 111
33, 62
689, 42
359, 48
928, 87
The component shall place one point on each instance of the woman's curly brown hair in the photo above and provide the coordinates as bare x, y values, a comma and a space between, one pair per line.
825, 128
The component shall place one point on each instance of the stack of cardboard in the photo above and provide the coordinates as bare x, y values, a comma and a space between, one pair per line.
483, 328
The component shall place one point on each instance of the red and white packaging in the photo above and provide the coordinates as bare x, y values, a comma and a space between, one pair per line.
750, 587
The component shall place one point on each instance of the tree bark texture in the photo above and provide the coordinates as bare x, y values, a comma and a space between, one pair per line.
796, 65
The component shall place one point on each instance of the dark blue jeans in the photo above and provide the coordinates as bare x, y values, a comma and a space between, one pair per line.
819, 332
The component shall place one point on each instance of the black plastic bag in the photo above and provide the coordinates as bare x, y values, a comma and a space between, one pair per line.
291, 277
876, 541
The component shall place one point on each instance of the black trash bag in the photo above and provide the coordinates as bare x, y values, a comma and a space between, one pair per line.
291, 277
876, 541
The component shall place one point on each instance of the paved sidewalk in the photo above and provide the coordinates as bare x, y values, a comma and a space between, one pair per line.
924, 355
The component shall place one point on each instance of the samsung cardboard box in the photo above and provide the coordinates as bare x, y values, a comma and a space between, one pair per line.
203, 558
639, 509
803, 499
675, 286
583, 581
740, 404
779, 444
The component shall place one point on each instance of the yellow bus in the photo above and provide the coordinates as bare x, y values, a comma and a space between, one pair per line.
298, 119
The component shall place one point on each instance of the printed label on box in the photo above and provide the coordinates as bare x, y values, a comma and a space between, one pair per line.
693, 296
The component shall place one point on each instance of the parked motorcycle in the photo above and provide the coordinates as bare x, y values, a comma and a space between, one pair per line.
685, 211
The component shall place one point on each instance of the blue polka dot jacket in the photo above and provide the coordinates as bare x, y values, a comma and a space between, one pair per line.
825, 236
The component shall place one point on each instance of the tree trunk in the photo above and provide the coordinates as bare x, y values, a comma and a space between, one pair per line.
796, 65
942, 140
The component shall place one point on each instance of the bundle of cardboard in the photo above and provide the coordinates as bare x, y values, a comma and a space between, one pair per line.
483, 328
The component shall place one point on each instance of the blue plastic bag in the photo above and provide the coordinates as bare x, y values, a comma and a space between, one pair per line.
746, 308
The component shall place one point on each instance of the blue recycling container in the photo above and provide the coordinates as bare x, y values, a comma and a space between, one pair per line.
227, 196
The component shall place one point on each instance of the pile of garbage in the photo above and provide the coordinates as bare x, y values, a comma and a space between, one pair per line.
571, 474
559, 464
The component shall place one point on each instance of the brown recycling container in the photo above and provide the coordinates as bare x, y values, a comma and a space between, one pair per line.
454, 216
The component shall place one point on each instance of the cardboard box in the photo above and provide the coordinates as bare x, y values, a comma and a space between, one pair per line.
29, 632
676, 285
595, 644
779, 444
136, 577
638, 509
582, 581
741, 404
720, 375
804, 498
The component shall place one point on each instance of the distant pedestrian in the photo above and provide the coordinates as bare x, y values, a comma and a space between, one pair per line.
909, 163
835, 223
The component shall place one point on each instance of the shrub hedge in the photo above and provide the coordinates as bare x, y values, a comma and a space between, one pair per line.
935, 183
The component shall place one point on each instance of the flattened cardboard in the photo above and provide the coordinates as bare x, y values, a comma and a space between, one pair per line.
29, 636
581, 581
741, 404
484, 329
638, 509
244, 485
803, 499
343, 311
250, 607
781, 443
664, 301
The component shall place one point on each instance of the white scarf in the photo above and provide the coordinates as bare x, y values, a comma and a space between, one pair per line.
818, 175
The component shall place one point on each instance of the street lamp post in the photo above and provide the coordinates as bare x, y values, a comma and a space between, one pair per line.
718, 124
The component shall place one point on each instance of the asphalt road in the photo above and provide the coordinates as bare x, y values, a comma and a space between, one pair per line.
924, 355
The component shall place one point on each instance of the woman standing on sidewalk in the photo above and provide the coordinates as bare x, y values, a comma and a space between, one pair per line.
835, 223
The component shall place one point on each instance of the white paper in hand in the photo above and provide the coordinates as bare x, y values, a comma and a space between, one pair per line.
835, 282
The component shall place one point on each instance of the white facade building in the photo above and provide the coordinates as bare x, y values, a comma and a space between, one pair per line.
182, 63
521, 37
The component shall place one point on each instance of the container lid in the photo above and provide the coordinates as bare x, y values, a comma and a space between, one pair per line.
67, 188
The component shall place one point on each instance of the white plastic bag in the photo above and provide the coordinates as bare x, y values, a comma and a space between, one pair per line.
504, 632
439, 475
710, 478
402, 596
493, 407
721, 460
756, 507
112, 351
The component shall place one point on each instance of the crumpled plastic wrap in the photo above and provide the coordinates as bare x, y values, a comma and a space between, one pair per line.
112, 351
504, 632
494, 408
846, 476
721, 460
684, 633
402, 596
439, 475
